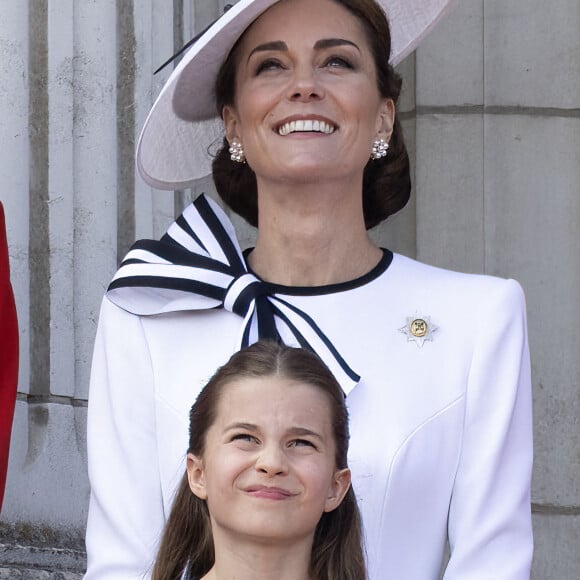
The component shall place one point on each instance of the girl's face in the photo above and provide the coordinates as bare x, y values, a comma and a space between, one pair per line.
307, 103
268, 469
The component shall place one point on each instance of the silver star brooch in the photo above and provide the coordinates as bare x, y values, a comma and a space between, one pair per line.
419, 329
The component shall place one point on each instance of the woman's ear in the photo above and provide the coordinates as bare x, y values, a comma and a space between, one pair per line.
196, 476
231, 124
386, 119
339, 486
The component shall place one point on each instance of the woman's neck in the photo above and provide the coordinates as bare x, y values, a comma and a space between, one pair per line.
312, 235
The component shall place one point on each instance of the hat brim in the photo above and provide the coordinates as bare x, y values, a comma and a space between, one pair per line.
183, 125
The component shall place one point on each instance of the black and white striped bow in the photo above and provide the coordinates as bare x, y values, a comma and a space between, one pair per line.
198, 264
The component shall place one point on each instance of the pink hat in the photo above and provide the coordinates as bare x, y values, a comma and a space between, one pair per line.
183, 123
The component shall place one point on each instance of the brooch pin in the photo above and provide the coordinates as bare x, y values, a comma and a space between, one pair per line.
419, 329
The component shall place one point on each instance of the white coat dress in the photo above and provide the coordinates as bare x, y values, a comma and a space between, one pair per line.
441, 431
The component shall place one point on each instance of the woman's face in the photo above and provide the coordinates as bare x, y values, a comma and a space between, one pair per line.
307, 103
268, 467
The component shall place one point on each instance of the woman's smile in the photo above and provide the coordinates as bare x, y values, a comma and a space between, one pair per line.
305, 124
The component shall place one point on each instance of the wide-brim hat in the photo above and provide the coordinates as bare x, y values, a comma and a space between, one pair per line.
183, 126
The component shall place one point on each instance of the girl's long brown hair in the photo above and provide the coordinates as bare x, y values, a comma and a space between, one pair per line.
187, 545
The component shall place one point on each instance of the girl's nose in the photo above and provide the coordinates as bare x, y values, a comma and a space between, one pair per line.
272, 461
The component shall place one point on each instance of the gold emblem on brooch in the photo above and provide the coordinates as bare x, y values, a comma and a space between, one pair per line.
419, 329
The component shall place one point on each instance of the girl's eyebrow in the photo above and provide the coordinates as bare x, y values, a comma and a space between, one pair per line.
303, 431
246, 426
280, 45
294, 431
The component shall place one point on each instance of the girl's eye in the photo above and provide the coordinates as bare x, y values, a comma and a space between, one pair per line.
269, 64
245, 437
302, 443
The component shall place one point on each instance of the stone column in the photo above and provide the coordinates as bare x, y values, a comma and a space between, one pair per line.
77, 83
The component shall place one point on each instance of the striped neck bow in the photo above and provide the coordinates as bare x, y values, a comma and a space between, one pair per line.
198, 265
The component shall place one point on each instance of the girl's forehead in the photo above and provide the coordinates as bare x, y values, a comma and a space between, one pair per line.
263, 398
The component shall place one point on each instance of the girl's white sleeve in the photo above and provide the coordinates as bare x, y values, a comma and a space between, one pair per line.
490, 533
126, 510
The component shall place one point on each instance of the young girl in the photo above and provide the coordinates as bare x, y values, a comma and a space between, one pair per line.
267, 490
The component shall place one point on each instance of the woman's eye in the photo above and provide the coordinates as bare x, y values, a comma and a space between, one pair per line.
339, 62
268, 65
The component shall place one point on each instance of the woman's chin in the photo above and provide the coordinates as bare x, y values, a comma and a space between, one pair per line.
305, 169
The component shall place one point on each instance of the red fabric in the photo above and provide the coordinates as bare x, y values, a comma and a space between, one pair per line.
8, 355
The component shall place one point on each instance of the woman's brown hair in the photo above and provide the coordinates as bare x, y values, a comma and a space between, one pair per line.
386, 181
187, 549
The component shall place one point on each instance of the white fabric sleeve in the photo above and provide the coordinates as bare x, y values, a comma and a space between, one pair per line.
126, 510
490, 534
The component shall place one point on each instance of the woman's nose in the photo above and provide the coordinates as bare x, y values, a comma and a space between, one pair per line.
305, 86
272, 460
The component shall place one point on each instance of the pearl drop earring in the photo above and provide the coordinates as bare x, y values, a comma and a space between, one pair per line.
380, 147
236, 151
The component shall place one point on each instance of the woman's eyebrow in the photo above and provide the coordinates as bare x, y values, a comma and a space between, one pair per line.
274, 45
330, 42
280, 45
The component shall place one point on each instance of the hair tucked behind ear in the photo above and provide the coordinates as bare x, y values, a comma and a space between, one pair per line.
337, 553
187, 544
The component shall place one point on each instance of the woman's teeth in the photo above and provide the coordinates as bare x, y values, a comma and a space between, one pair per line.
304, 126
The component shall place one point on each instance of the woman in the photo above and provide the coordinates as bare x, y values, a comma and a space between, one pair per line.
434, 363
267, 489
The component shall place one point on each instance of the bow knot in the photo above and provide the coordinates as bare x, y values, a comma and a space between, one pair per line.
242, 292
198, 264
